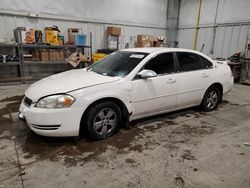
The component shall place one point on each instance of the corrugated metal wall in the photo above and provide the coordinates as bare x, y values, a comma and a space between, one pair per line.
232, 26
140, 17
139, 12
172, 22
228, 39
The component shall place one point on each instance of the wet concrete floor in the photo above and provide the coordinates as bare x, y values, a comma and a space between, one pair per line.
187, 148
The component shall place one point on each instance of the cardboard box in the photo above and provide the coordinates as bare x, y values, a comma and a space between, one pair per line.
52, 55
111, 30
43, 55
59, 55
30, 36
51, 35
27, 35
71, 34
153, 39
142, 44
35, 55
155, 43
142, 38
147, 41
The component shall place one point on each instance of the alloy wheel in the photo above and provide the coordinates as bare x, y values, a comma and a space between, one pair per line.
105, 121
212, 100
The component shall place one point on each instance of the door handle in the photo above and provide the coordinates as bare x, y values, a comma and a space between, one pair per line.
204, 75
171, 81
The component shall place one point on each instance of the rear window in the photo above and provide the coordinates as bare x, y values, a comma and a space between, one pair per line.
189, 61
206, 63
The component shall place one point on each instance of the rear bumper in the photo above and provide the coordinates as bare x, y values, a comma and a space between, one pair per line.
228, 86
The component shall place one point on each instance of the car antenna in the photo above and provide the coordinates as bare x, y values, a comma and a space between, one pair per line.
202, 47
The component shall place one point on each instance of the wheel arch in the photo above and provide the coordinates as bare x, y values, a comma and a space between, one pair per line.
119, 102
220, 87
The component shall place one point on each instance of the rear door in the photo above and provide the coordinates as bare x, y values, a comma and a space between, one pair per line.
194, 78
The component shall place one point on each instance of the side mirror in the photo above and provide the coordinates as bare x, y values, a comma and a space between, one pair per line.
145, 74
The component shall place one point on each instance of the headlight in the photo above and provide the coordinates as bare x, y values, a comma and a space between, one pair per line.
55, 101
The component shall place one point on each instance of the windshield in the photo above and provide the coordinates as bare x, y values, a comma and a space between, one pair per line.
119, 63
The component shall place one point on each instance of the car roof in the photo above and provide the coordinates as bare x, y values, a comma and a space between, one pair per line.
160, 49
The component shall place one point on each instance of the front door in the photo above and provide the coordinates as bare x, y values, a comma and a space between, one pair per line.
159, 93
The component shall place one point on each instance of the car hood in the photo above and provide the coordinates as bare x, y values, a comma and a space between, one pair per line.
66, 82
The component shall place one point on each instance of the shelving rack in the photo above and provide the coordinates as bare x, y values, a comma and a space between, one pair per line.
9, 68
21, 68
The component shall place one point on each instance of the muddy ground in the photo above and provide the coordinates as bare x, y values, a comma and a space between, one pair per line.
187, 148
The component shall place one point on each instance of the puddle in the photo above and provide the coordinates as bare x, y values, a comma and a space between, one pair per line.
41, 148
194, 130
12, 105
13, 98
74, 150
225, 102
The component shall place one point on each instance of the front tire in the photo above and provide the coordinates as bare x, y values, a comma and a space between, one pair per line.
211, 99
103, 120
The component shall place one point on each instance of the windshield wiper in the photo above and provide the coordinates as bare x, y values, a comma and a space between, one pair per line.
88, 68
106, 74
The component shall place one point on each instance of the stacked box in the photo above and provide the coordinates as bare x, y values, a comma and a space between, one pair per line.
142, 44
35, 55
147, 41
27, 35
59, 55
115, 31
51, 35
44, 55
52, 55
143, 38
71, 34
142, 41
154, 42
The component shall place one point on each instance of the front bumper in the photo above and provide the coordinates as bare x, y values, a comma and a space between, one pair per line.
51, 122
21, 117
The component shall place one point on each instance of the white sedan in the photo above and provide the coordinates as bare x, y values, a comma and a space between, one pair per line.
126, 85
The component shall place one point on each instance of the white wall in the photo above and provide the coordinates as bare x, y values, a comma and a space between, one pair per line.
139, 12
135, 17
232, 31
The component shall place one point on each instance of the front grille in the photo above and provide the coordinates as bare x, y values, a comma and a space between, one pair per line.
46, 127
27, 101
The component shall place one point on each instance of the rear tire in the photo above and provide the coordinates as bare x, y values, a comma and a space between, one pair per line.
103, 120
211, 99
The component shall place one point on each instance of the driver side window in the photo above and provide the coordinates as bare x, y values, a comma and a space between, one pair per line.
161, 64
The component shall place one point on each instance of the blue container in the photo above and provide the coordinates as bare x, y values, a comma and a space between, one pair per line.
80, 39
